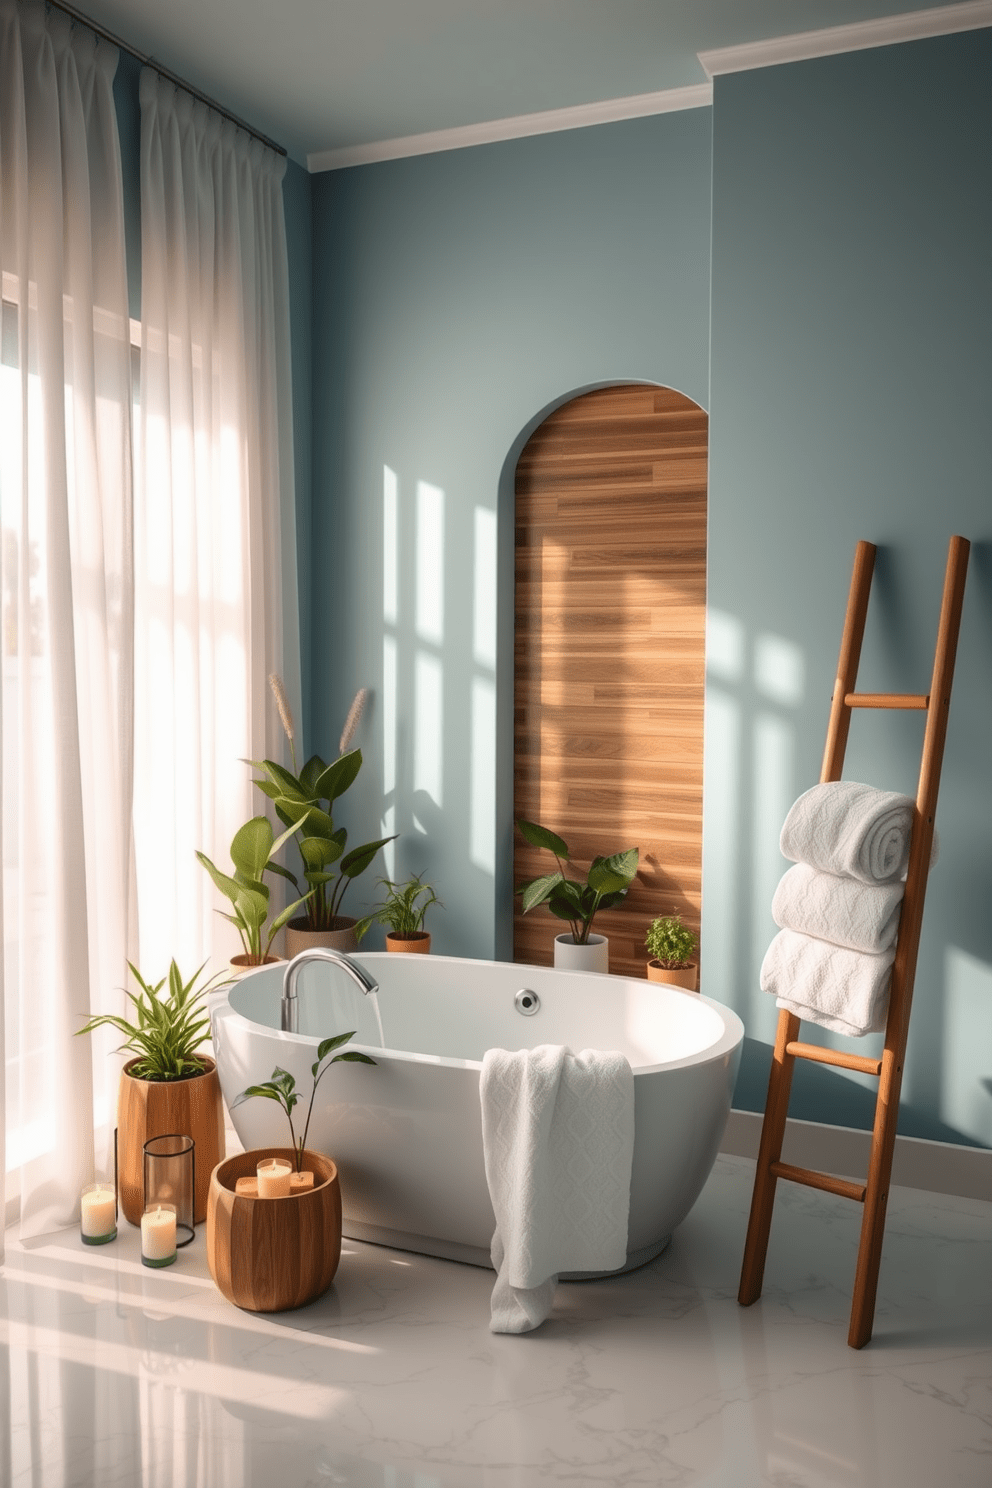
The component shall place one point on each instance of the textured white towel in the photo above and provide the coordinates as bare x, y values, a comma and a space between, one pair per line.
558, 1138
850, 829
847, 991
863, 917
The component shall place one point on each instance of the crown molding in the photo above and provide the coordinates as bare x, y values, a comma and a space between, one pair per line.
943, 20
552, 121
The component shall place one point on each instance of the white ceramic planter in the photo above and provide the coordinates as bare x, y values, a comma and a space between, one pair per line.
593, 956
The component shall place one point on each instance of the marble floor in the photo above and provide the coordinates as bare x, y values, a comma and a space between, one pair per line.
115, 1375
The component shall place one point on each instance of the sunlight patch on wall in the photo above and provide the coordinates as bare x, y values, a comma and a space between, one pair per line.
428, 726
484, 596
482, 834
966, 1076
390, 582
430, 563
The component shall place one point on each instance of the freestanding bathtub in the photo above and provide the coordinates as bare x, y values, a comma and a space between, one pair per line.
407, 1135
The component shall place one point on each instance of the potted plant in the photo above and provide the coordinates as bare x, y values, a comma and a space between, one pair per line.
167, 1086
252, 851
672, 946
304, 799
402, 913
606, 885
269, 1255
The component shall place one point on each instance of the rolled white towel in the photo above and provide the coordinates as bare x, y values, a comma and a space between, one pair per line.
847, 991
860, 916
852, 830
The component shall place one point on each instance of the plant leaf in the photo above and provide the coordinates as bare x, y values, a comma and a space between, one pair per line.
538, 890
336, 779
541, 837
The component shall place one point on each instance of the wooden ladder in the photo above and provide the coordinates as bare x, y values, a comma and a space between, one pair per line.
888, 1069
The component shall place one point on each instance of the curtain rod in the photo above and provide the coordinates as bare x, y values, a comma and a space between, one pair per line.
125, 46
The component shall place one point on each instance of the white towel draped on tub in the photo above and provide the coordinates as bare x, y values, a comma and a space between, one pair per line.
558, 1137
852, 830
860, 916
847, 991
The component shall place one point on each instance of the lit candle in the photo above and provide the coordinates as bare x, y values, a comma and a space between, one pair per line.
98, 1214
273, 1178
158, 1235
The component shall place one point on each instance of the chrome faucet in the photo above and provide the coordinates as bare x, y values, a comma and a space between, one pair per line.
290, 1002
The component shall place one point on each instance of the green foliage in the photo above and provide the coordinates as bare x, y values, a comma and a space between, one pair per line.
282, 1087
606, 883
252, 850
400, 910
671, 943
305, 802
168, 1030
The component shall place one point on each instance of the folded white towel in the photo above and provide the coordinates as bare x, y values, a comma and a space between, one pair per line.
850, 829
847, 991
558, 1139
863, 917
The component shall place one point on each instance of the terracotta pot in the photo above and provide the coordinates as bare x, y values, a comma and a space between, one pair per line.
684, 976
340, 938
156, 1108
242, 963
413, 942
270, 1255
594, 955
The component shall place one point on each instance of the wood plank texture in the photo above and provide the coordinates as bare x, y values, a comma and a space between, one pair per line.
609, 654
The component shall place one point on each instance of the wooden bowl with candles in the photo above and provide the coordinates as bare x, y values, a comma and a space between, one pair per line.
273, 1254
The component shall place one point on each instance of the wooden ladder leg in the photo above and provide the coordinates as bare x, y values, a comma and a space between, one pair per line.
904, 969
770, 1151
876, 1200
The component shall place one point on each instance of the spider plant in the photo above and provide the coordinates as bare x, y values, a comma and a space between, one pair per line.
168, 1030
399, 909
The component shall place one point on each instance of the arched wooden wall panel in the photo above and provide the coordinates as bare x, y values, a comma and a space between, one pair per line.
609, 659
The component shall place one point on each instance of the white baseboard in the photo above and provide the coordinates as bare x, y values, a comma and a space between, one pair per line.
939, 1167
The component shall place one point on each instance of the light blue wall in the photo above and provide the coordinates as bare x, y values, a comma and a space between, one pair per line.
852, 398
457, 297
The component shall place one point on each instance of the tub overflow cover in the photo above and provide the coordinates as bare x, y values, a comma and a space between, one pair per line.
527, 1002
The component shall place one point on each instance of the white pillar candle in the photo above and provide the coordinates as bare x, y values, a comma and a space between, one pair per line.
273, 1178
158, 1235
98, 1212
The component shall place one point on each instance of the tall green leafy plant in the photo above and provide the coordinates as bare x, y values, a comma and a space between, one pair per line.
304, 800
606, 885
282, 1087
167, 1030
252, 850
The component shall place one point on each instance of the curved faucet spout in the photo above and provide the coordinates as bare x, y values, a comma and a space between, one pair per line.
290, 1001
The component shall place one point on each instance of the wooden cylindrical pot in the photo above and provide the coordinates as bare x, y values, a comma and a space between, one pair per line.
413, 942
270, 1255
156, 1108
341, 937
684, 977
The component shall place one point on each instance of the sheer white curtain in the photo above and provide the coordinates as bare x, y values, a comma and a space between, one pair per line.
215, 540
65, 502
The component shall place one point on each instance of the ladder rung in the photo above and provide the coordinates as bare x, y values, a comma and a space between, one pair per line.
918, 700
825, 1181
835, 1056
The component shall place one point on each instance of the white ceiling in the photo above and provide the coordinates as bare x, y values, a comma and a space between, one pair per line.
324, 75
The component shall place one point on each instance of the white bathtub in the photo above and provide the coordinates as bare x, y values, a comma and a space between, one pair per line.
407, 1135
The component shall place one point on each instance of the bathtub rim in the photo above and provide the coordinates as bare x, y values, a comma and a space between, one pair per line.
219, 1005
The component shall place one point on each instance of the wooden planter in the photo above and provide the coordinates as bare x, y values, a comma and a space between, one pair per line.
156, 1108
411, 941
684, 976
300, 938
270, 1255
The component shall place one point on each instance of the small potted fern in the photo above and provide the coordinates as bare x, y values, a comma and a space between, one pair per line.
672, 946
403, 914
167, 1086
